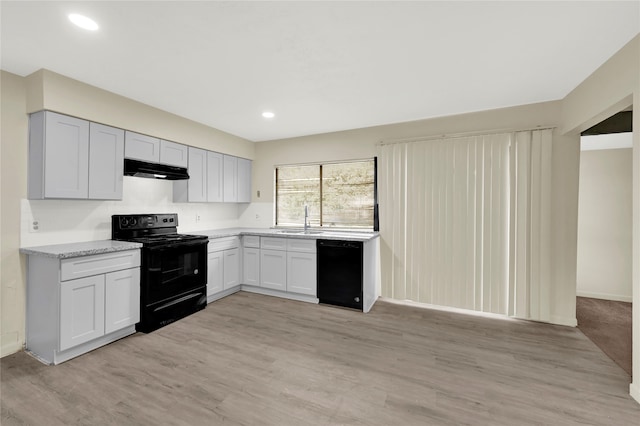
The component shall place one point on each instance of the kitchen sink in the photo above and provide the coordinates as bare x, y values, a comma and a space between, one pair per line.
299, 232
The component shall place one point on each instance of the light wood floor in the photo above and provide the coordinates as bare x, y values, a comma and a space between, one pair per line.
257, 360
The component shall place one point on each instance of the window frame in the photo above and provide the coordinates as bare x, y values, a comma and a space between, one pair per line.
374, 226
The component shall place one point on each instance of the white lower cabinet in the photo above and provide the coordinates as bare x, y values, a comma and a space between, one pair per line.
273, 269
223, 267
122, 299
301, 273
81, 311
214, 272
251, 266
231, 270
78, 304
287, 265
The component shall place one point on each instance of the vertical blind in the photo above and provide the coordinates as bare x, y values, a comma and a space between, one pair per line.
464, 222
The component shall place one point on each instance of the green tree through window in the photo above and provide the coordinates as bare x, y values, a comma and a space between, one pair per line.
339, 195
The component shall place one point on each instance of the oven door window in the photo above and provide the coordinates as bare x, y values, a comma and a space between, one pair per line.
174, 270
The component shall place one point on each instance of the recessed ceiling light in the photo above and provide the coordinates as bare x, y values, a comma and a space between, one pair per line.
268, 114
83, 22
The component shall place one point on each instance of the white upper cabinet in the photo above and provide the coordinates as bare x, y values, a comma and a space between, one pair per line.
194, 189
215, 177
230, 179
244, 180
142, 147
77, 159
197, 183
155, 150
106, 154
58, 156
173, 154
73, 158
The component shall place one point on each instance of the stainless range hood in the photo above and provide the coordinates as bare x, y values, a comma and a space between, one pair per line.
143, 169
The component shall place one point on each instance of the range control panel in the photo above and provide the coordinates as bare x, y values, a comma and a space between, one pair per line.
145, 221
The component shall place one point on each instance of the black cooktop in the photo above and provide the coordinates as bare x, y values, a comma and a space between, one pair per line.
150, 229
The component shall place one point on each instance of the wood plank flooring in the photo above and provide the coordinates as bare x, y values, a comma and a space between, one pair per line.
250, 359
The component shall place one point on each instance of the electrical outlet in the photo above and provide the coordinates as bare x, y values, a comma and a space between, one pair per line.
35, 226
257, 216
197, 218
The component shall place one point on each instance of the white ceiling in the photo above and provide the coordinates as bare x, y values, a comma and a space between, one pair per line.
320, 66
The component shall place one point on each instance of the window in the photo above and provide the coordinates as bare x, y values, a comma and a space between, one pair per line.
340, 195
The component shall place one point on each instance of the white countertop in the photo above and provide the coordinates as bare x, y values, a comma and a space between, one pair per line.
87, 248
285, 233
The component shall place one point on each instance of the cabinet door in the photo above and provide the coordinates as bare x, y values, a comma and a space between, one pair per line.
106, 162
215, 272
273, 269
230, 179
66, 157
197, 183
142, 147
173, 154
244, 180
301, 273
231, 269
251, 266
81, 310
215, 177
122, 299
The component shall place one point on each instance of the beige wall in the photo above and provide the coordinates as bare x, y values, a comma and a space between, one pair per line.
13, 149
605, 92
612, 87
604, 224
54, 92
364, 143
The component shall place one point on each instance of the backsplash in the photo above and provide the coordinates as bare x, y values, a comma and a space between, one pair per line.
67, 221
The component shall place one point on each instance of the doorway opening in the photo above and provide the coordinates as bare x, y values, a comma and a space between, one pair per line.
604, 283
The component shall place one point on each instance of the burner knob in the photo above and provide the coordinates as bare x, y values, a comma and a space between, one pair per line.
133, 221
124, 222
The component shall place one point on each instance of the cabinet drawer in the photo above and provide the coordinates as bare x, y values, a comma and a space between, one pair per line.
273, 243
226, 243
300, 245
86, 266
251, 241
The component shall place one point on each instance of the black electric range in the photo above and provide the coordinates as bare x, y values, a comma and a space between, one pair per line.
173, 271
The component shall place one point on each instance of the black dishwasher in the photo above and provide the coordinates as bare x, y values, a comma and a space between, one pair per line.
340, 273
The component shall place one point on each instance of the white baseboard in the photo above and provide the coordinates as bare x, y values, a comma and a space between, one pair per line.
12, 347
605, 296
568, 321
282, 294
462, 311
554, 319
634, 391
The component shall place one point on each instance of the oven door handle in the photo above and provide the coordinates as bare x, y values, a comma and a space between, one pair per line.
179, 244
179, 300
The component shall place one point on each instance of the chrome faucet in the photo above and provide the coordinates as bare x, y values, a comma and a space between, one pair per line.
306, 217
